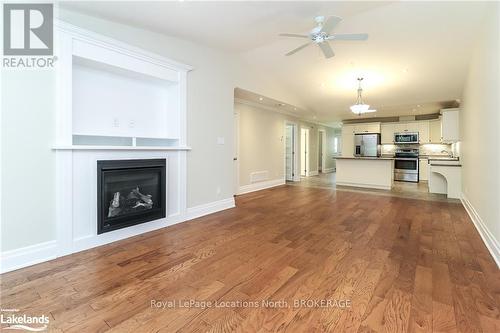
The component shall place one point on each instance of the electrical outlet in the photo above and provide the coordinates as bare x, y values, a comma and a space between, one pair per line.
116, 122
221, 140
218, 190
131, 123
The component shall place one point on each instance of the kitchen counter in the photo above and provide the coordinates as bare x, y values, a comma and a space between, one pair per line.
363, 158
370, 172
438, 158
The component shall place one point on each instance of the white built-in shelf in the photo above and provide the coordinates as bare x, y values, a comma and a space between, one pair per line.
116, 96
84, 147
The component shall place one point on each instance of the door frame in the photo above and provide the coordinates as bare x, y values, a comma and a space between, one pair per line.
322, 137
307, 153
236, 151
295, 143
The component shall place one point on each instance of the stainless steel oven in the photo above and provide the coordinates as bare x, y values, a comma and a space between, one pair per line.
406, 137
406, 165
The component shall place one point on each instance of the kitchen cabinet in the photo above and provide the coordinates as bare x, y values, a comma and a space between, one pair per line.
450, 125
387, 133
423, 169
348, 140
423, 132
367, 128
407, 127
435, 131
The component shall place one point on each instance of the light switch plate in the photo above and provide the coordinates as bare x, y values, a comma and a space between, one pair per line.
221, 141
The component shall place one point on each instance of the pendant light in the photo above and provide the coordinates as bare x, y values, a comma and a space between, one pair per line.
360, 107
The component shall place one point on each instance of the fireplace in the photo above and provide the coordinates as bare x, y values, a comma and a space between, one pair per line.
129, 192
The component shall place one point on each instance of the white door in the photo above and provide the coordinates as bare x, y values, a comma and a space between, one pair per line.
304, 154
320, 151
236, 143
289, 151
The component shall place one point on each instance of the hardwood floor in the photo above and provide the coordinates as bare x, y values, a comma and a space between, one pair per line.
403, 265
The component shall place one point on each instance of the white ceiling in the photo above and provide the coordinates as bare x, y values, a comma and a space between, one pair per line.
417, 52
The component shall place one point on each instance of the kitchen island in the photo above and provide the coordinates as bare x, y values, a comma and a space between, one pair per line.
369, 172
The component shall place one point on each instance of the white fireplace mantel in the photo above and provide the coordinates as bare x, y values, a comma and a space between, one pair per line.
140, 102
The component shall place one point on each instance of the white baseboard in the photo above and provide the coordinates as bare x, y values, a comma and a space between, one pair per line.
488, 238
328, 170
312, 173
27, 256
38, 253
261, 185
378, 187
209, 208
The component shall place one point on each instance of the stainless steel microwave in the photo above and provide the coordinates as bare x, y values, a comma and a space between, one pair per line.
406, 137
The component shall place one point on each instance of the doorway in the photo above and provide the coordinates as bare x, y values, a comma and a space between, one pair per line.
290, 149
236, 144
321, 151
304, 155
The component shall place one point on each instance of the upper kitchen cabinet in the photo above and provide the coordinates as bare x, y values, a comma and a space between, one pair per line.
406, 127
387, 133
435, 131
348, 140
367, 128
450, 125
423, 132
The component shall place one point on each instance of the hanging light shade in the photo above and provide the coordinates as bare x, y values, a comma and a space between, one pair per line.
360, 107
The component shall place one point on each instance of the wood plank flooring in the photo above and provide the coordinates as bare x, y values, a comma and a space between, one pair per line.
403, 265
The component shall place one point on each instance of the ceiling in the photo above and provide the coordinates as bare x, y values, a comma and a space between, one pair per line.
417, 52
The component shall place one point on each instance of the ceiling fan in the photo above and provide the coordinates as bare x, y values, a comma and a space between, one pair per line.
321, 34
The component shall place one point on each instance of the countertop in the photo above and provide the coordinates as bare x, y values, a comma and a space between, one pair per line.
438, 158
446, 165
362, 158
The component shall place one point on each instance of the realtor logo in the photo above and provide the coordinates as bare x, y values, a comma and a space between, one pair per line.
28, 29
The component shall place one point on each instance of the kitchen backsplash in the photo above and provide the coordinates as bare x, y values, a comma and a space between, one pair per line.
427, 149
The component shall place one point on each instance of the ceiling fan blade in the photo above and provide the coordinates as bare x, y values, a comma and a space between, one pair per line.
348, 37
298, 49
330, 23
294, 35
327, 49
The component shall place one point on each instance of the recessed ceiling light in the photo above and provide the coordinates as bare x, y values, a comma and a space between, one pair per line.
295, 109
418, 105
261, 98
405, 70
323, 84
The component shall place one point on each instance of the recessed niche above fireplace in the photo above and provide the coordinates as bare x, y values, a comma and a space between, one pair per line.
130, 192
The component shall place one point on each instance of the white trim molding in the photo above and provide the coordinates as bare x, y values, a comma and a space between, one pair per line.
261, 185
312, 173
210, 208
489, 239
27, 256
329, 170
378, 187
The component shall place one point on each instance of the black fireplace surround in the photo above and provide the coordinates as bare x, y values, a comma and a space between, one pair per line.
129, 192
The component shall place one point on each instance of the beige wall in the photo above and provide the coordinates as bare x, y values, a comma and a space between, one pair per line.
480, 123
261, 145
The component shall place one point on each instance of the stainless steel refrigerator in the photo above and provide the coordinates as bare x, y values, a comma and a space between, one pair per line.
367, 145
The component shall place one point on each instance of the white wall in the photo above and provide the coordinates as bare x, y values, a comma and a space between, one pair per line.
480, 122
28, 108
261, 145
28, 166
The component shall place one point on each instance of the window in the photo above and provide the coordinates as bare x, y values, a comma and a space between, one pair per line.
336, 145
